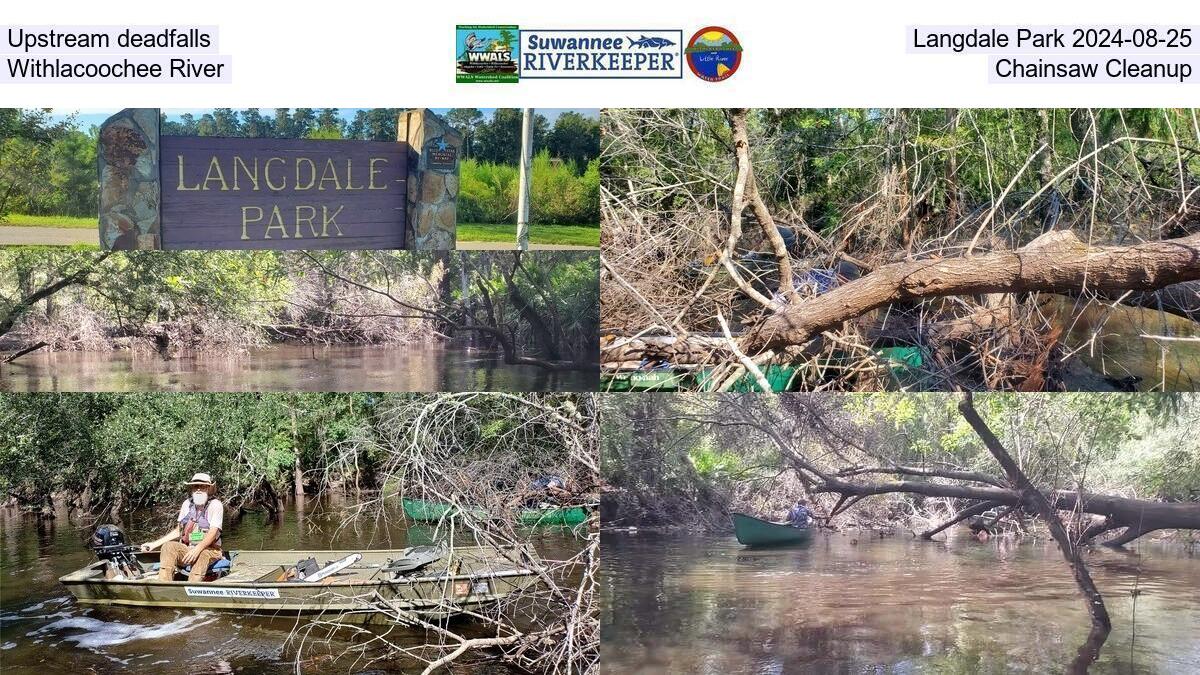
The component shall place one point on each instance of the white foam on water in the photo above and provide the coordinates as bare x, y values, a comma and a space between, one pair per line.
13, 618
8, 645
96, 633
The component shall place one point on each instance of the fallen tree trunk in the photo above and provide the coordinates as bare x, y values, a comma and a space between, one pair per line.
1055, 262
973, 510
31, 348
1121, 512
80, 276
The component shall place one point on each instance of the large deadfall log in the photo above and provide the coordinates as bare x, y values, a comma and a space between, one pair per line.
1054, 262
1164, 273
1136, 516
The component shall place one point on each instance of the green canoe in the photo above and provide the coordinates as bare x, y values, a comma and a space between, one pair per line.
753, 531
641, 380
421, 510
781, 378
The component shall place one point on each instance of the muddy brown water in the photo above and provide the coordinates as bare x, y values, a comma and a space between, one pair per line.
1126, 342
43, 631
850, 603
421, 367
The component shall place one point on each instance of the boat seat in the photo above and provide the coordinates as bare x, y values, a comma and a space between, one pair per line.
219, 568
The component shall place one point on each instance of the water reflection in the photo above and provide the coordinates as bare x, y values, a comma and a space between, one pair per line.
1114, 340
692, 604
421, 367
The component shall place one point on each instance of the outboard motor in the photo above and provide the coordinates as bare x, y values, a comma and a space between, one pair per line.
109, 544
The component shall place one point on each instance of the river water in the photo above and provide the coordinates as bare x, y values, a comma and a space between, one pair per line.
1128, 342
854, 603
419, 367
42, 630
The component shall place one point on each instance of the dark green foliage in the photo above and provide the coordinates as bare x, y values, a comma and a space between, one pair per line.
684, 460
106, 453
500, 139
933, 165
45, 167
560, 194
574, 138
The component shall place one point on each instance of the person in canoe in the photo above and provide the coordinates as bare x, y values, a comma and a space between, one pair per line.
799, 515
196, 539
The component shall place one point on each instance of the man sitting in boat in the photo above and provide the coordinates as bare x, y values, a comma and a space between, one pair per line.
196, 540
799, 516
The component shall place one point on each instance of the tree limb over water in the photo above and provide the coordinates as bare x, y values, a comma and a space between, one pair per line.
1033, 499
1055, 262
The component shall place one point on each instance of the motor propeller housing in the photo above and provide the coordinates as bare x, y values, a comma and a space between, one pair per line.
109, 544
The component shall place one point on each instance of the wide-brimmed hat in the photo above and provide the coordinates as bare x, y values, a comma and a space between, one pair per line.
201, 479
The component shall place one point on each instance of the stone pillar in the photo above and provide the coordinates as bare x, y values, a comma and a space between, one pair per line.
127, 162
432, 179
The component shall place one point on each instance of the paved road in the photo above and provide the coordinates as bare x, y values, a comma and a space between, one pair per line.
501, 246
54, 236
66, 236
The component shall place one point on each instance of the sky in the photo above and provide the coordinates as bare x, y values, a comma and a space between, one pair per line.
87, 117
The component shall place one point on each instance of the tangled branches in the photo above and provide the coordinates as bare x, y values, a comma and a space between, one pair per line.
706, 211
482, 455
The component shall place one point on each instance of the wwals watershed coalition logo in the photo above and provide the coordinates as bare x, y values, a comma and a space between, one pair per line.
486, 53
504, 53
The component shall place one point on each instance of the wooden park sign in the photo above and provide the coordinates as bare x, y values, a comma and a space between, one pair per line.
177, 192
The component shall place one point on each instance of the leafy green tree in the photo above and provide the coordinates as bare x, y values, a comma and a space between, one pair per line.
374, 124
574, 138
254, 125
226, 123
500, 137
303, 121
282, 123
73, 182
329, 118
466, 120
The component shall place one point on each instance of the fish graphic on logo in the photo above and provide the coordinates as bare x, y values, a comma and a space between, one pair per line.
644, 42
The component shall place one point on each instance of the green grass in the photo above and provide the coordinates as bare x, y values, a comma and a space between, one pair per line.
574, 235
23, 220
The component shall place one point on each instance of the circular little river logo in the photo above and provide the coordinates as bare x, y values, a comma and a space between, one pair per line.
714, 54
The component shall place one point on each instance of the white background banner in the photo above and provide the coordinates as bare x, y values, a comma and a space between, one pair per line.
388, 54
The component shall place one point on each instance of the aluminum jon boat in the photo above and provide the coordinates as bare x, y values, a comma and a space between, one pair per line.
431, 582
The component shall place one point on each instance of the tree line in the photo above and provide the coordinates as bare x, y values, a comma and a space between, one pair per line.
102, 456
891, 460
1082, 468
48, 165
